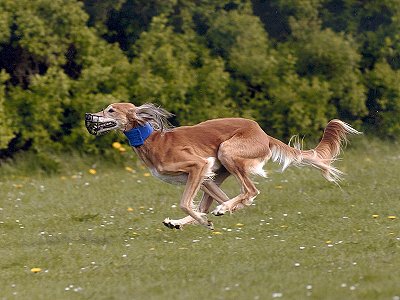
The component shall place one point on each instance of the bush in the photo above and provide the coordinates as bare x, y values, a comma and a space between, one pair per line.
209, 59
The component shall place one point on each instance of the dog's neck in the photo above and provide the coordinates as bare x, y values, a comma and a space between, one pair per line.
139, 134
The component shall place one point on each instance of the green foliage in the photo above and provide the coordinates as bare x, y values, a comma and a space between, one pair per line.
65, 69
300, 105
4, 25
290, 65
333, 58
6, 133
384, 99
178, 72
374, 25
266, 81
241, 39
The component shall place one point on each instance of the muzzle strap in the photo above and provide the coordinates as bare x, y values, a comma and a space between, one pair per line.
136, 136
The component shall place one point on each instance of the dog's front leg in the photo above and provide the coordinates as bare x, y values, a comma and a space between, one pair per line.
194, 181
196, 174
211, 192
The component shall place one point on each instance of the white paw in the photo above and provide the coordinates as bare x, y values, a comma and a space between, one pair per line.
227, 207
249, 201
220, 210
173, 224
178, 224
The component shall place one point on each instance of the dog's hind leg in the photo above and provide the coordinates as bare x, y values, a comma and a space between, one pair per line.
245, 198
241, 162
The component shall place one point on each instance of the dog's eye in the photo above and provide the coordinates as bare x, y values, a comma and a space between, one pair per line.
111, 110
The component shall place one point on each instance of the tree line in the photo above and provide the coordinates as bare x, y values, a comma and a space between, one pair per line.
289, 64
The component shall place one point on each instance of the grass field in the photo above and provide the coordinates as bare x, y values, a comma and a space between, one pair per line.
99, 236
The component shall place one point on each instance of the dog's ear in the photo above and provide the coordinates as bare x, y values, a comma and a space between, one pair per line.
132, 117
155, 115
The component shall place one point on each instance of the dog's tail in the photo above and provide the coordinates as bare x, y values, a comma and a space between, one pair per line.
322, 156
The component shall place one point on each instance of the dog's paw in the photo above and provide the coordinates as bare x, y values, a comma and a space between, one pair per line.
172, 224
227, 207
210, 225
220, 210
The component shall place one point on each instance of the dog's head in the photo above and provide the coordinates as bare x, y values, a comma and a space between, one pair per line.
125, 116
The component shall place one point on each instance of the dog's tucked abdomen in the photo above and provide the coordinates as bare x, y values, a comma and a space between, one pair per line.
169, 178
181, 178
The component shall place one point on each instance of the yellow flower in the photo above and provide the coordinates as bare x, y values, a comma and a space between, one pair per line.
36, 270
116, 145
92, 171
129, 209
328, 242
392, 217
279, 187
129, 169
122, 149
216, 232
375, 216
146, 174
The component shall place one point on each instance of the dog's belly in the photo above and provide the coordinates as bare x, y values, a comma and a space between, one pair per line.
213, 166
172, 179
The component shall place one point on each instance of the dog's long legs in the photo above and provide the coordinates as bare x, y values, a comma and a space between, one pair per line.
197, 171
205, 201
241, 162
245, 198
212, 191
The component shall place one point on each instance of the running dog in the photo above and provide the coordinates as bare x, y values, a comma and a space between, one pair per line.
202, 156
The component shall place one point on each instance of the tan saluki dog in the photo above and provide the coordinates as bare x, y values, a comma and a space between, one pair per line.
202, 156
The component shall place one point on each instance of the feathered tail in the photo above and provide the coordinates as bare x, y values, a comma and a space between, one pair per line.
322, 156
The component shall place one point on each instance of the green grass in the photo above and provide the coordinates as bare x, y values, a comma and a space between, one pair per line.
304, 238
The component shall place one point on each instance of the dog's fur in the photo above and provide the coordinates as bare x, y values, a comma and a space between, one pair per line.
204, 155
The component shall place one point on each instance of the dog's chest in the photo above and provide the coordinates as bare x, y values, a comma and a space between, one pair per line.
173, 179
